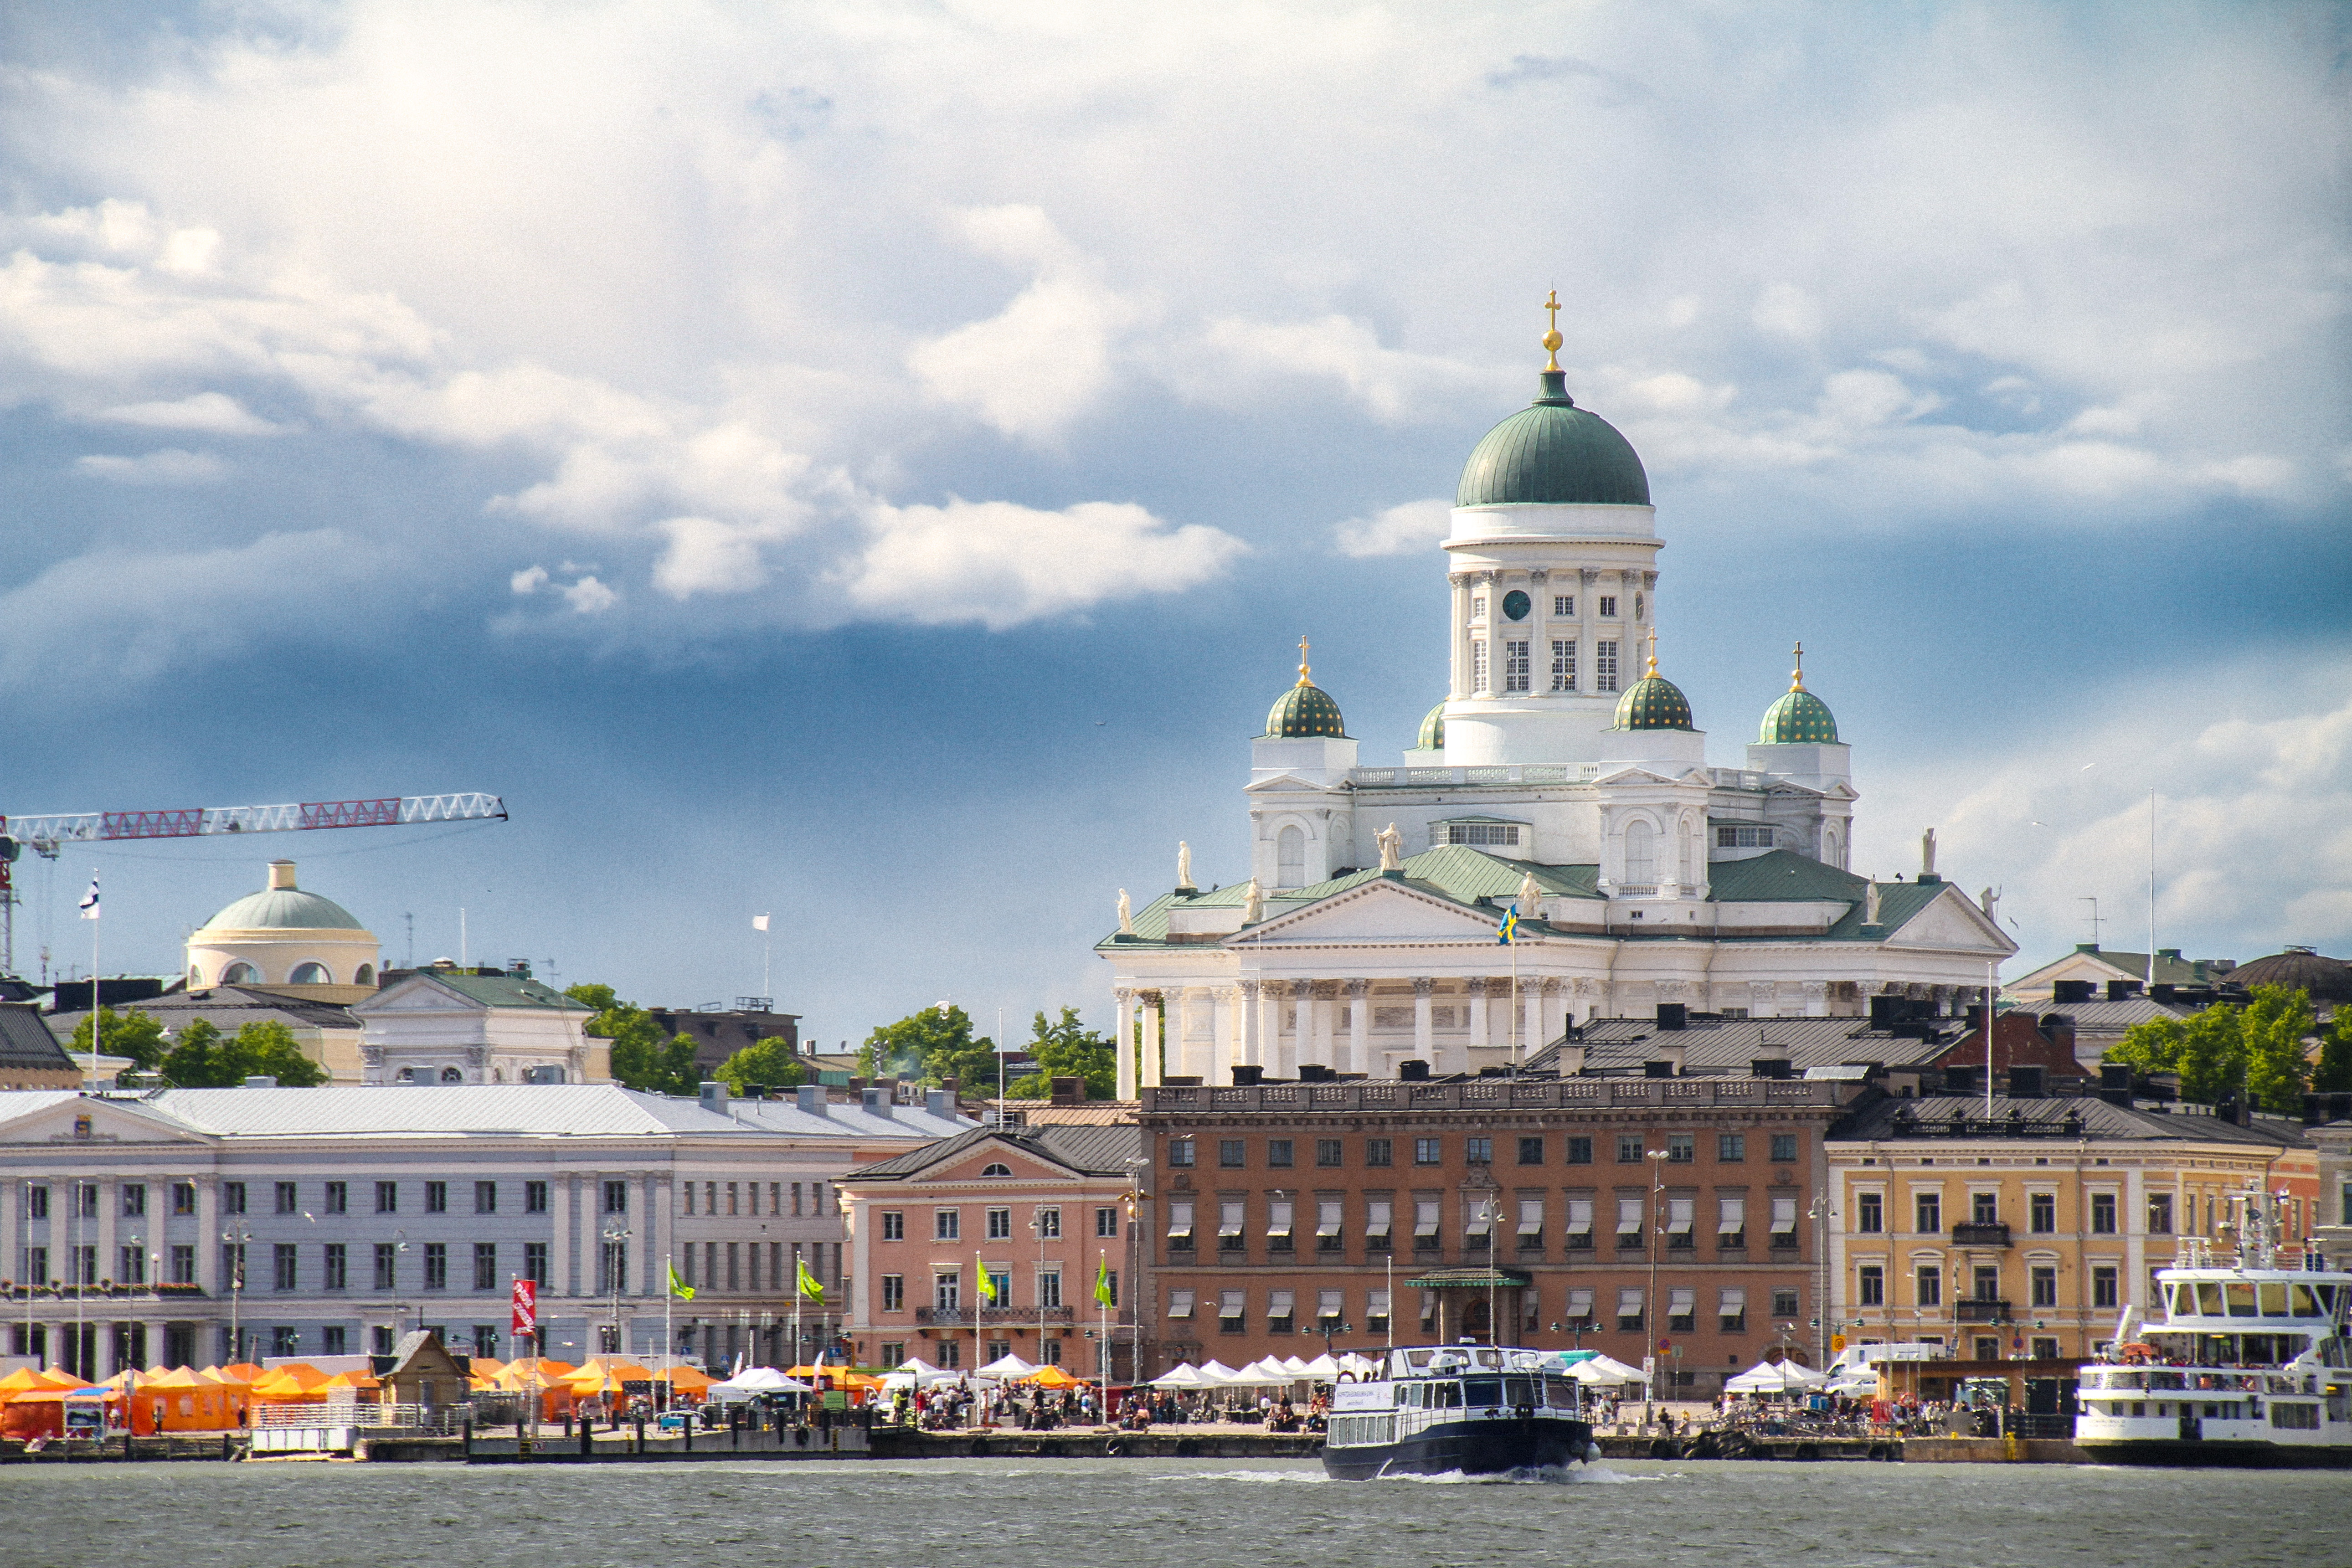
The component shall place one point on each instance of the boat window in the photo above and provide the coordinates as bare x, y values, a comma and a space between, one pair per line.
2326, 1295
1479, 1393
1518, 1392
2172, 1307
2273, 1300
2306, 1305
2239, 1294
2209, 1299
1559, 1393
1448, 1395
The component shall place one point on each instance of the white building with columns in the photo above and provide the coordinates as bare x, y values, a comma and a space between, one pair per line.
1550, 780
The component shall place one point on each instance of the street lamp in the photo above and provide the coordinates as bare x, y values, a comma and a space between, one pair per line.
1331, 1327
616, 1237
236, 1236
1650, 1314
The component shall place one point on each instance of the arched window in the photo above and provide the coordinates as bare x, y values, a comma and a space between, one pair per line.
309, 975
998, 1169
406, 1075
1834, 849
1688, 841
364, 975
451, 1075
497, 1074
240, 973
1291, 858
1640, 853
196, 975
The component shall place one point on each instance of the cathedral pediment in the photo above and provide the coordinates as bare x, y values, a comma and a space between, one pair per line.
1952, 920
1387, 908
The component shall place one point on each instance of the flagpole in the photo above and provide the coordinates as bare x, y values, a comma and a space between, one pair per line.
669, 1334
1102, 1312
97, 1023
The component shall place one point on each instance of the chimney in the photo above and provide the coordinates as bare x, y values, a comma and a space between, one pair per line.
2063, 992
876, 1101
1667, 1063
282, 876
1413, 1070
1571, 1059
1068, 1089
937, 1102
1248, 1075
2122, 990
2116, 1084
1673, 1016
1962, 1080
1885, 1011
2161, 993
714, 1097
2025, 1083
1771, 1067
811, 1098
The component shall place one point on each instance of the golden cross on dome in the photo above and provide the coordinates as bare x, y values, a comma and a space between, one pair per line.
1797, 676
1552, 338
1302, 662
1654, 650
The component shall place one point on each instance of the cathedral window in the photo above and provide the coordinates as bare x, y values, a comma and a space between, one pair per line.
1478, 667
1291, 858
1608, 606
1640, 853
1563, 604
1746, 835
1516, 665
1637, 607
1604, 665
1488, 834
1477, 607
1563, 666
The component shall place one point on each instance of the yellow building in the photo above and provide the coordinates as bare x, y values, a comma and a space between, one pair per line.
284, 940
2025, 1234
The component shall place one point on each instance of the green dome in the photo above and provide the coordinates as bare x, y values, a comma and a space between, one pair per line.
1306, 711
283, 908
1798, 717
1654, 702
1432, 730
1553, 452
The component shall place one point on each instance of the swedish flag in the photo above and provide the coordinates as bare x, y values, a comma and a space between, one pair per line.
1510, 926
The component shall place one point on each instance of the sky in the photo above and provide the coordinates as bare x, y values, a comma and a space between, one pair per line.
870, 463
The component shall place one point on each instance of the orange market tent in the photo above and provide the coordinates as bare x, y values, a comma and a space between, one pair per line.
24, 1378
687, 1379
1055, 1377
238, 1372
180, 1400
606, 1377
283, 1386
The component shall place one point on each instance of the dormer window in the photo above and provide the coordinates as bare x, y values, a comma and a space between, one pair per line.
998, 1168
1484, 833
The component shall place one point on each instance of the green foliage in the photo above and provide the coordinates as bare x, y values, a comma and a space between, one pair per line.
2212, 1062
930, 1046
136, 1035
1067, 1049
2332, 1075
769, 1061
2150, 1047
200, 1058
642, 1059
2274, 1027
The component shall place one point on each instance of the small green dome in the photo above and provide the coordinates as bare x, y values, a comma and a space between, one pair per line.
283, 908
1654, 702
1306, 711
1798, 717
1555, 452
1432, 730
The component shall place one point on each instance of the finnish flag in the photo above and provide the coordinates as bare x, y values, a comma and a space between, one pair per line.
89, 901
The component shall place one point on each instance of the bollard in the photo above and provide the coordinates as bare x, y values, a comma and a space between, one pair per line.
466, 1436
735, 1429
641, 1436
686, 1426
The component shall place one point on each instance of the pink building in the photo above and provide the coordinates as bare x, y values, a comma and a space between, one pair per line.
1044, 1211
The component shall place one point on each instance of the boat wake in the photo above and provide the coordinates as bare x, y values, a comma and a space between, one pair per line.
1264, 1477
1541, 1476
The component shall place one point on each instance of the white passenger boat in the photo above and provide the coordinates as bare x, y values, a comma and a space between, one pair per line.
1438, 1409
2250, 1366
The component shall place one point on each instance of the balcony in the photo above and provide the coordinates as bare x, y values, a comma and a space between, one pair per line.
1981, 1311
964, 1318
1981, 1233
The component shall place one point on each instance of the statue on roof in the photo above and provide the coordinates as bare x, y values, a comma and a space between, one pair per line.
1530, 898
1392, 845
1183, 865
1253, 904
1870, 902
1928, 853
1125, 915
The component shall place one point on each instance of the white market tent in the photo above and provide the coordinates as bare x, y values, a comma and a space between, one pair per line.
1264, 1373
1183, 1375
1214, 1374
757, 1380
1362, 1366
1322, 1368
1295, 1367
1604, 1371
1008, 1368
1764, 1377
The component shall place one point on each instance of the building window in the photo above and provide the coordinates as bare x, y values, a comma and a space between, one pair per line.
1478, 1151
2045, 1350
436, 1266
1426, 1151
1049, 1287
437, 1198
387, 1197
486, 1266
1784, 1147
1531, 1151
184, 1264
36, 1203
284, 1342
1478, 667
1743, 836
1107, 1220
894, 1292
616, 1197
1180, 1224
1049, 1223
288, 1197
1232, 1305
133, 1268
1869, 1213
231, 1199
1731, 1220
1732, 1309
946, 1290
1604, 666
1580, 1151
2042, 1213
1681, 1310
1682, 1148
1279, 1153
286, 1268
486, 1197
1730, 1148
1784, 1301
1928, 1213
1984, 1208
2044, 1280
894, 1225
134, 1199
335, 1271
1425, 1233
1629, 1149
1230, 1153
1871, 1281
1379, 1153
2105, 1285
1629, 1221
1110, 1285
184, 1199
86, 1264
1931, 1285
1563, 604
1608, 606
1629, 1309
1231, 1222
1180, 1151
534, 1262
1477, 607
1378, 1221
337, 1197
1516, 665
387, 1266
2103, 1214
1326, 1152
1637, 607
947, 1225
1563, 665
1784, 1222
1490, 835
534, 1197
1000, 1224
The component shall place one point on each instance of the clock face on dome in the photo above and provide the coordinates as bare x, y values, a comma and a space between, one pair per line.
1515, 606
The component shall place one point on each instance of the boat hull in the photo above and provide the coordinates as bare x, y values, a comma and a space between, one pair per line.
1470, 1447
2222, 1455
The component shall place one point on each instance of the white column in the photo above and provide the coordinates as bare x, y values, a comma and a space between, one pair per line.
1489, 586
1425, 1039
1269, 1024
1480, 1016
1124, 1042
1224, 1020
1249, 1024
208, 1241
653, 1234
110, 1206
1460, 642
1531, 1017
1359, 1021
559, 1237
1149, 1041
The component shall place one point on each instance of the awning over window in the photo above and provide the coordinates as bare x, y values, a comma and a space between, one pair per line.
1278, 1216
1229, 1303
1329, 1216
1230, 1215
1179, 1303
1579, 1217
1629, 1300
1735, 1301
1681, 1214
1682, 1302
1378, 1217
1784, 1216
1330, 1303
1629, 1217
1424, 1217
1579, 1302
1481, 1220
1531, 1216
1278, 1304
1731, 1216
1179, 1217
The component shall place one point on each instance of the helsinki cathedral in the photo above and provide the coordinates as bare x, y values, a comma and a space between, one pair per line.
1563, 778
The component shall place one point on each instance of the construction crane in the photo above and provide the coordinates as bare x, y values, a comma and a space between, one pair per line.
45, 835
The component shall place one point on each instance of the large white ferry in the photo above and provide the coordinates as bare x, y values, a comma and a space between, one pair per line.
1435, 1409
2250, 1365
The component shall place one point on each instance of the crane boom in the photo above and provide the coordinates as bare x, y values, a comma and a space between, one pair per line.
46, 834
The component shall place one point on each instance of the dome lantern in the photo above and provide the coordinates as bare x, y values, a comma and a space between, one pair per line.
1306, 711
1798, 717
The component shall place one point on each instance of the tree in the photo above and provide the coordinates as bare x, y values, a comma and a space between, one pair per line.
136, 1035
930, 1046
194, 1059
1067, 1049
2334, 1073
2274, 1027
642, 1059
769, 1061
201, 1059
2212, 1062
2150, 1047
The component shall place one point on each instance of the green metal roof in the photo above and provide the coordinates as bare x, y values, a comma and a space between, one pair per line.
1555, 452
506, 990
1654, 702
1304, 711
1797, 718
283, 908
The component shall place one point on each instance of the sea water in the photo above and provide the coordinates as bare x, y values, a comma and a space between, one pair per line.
1145, 1513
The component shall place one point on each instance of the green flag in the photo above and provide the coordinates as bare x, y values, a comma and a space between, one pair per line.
811, 1286
1105, 1287
679, 1287
985, 1287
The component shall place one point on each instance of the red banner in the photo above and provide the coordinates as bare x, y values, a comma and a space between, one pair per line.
526, 1308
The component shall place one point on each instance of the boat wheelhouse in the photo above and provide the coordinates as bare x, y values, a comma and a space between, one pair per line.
1477, 1409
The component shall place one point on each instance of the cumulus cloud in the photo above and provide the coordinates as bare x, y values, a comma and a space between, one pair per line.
212, 412
167, 466
1395, 531
1235, 360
